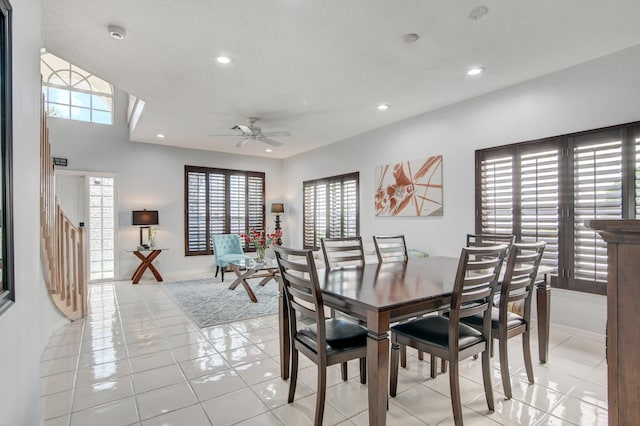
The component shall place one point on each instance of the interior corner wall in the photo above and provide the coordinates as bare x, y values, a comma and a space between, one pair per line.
595, 94
25, 327
149, 176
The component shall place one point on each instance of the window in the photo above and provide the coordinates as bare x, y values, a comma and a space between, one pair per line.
102, 225
220, 201
7, 289
545, 191
73, 93
331, 209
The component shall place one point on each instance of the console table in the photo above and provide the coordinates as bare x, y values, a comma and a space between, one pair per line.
146, 256
623, 334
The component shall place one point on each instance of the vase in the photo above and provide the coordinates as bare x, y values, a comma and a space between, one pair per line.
260, 255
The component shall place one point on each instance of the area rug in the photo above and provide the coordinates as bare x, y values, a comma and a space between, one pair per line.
209, 302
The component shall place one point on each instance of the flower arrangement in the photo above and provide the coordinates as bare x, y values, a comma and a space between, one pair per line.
260, 240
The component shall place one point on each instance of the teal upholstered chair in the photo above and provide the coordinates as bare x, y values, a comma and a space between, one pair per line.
227, 248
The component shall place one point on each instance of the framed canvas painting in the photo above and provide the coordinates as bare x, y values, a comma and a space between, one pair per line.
410, 188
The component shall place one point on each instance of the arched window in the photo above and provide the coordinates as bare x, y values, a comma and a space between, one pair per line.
73, 93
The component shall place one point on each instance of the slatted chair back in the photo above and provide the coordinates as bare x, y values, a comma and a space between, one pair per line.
301, 290
390, 249
475, 284
520, 275
340, 252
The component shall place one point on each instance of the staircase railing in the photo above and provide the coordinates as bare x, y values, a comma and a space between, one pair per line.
61, 243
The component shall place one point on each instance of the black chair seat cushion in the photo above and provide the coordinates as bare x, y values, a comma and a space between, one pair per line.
341, 335
434, 330
513, 320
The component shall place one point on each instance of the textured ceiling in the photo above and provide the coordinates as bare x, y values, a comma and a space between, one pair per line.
319, 68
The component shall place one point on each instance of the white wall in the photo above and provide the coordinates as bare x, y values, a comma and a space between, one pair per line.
596, 94
150, 177
26, 326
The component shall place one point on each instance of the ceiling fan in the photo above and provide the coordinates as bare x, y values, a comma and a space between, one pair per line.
250, 132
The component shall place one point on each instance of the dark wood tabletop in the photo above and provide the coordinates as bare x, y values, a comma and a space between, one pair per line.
380, 294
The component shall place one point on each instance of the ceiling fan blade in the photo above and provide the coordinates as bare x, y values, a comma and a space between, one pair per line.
281, 133
269, 141
243, 142
243, 128
217, 136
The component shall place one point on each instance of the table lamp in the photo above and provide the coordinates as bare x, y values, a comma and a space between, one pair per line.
277, 209
145, 218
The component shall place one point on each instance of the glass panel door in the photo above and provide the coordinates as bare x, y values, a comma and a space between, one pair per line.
101, 228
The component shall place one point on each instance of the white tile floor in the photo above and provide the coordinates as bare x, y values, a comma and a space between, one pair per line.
137, 359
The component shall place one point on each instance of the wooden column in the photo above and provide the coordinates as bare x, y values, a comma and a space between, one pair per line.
623, 317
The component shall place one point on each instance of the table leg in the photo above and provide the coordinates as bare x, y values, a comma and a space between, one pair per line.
144, 264
283, 328
543, 302
378, 366
242, 279
268, 278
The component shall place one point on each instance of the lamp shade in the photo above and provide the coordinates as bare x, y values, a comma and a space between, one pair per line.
277, 208
145, 217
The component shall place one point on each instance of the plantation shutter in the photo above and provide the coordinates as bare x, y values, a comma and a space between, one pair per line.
220, 201
237, 204
255, 202
540, 200
335, 212
217, 204
196, 212
496, 193
309, 216
330, 209
321, 213
350, 207
597, 191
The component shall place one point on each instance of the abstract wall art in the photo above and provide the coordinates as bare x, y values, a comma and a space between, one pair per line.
410, 188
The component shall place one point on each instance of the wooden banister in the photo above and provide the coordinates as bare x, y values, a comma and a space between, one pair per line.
61, 243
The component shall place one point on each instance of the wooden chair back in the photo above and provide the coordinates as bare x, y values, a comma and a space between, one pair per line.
340, 252
301, 290
519, 277
475, 284
390, 249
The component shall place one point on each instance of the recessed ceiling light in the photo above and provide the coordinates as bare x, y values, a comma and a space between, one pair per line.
160, 136
223, 59
116, 32
382, 107
410, 38
478, 12
476, 71
268, 150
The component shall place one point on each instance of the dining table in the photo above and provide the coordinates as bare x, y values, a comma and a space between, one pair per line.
381, 294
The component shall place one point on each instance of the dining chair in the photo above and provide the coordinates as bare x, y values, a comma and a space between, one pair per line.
328, 341
340, 252
484, 240
394, 249
227, 248
446, 336
390, 249
518, 285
